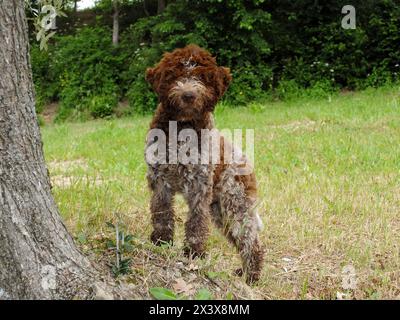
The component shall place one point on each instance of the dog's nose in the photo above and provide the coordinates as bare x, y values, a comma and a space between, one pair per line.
188, 96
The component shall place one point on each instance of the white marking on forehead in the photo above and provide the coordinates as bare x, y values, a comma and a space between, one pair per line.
189, 63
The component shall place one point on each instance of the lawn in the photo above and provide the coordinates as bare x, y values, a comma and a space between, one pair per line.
329, 178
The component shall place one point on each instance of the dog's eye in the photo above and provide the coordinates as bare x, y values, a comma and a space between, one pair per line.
201, 77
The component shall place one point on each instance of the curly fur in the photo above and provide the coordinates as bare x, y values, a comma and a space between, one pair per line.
189, 83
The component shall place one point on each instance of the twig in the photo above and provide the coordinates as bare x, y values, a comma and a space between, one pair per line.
117, 234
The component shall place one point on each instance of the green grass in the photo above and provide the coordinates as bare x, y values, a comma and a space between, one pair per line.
329, 181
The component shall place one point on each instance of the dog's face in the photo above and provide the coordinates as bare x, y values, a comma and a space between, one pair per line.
189, 82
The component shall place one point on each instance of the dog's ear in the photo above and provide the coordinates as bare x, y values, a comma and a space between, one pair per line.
223, 80
153, 77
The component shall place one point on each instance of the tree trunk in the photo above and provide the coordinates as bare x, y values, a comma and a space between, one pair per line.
115, 38
160, 6
38, 258
145, 8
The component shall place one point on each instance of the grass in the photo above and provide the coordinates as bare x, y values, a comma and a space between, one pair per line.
329, 181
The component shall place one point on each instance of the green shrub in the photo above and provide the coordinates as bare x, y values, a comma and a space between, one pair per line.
379, 76
89, 70
233, 31
288, 90
289, 48
141, 97
102, 106
249, 83
321, 89
44, 77
291, 90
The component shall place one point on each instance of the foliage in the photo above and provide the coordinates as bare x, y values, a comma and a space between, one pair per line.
285, 49
160, 293
203, 294
85, 70
292, 90
44, 77
122, 245
163, 294
101, 106
232, 30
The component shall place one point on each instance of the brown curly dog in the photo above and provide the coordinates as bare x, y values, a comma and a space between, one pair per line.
189, 83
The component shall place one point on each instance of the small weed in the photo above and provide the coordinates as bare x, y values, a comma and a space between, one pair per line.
122, 244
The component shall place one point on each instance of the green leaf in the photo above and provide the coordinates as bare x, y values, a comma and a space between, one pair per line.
110, 244
203, 294
162, 294
82, 238
212, 274
229, 296
128, 247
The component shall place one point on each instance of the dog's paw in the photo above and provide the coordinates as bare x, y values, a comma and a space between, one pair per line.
192, 254
159, 238
251, 277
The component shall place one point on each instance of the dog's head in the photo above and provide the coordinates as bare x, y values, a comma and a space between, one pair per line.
188, 81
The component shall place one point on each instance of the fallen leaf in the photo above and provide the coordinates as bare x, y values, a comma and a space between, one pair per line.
180, 286
162, 294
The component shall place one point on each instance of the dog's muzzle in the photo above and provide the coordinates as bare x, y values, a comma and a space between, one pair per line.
187, 91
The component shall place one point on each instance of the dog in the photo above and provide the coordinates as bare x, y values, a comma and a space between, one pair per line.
189, 83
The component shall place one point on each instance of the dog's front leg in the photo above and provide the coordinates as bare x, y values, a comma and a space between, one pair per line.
162, 214
197, 226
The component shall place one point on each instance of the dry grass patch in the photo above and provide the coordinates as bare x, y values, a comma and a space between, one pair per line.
329, 180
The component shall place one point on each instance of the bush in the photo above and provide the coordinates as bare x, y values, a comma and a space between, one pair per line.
288, 90
291, 90
141, 97
243, 48
87, 69
44, 77
102, 106
290, 48
249, 83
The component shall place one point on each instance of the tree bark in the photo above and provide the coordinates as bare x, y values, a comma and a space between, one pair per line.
160, 6
115, 38
145, 8
38, 258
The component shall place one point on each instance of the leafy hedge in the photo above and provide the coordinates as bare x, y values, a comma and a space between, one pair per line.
274, 48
